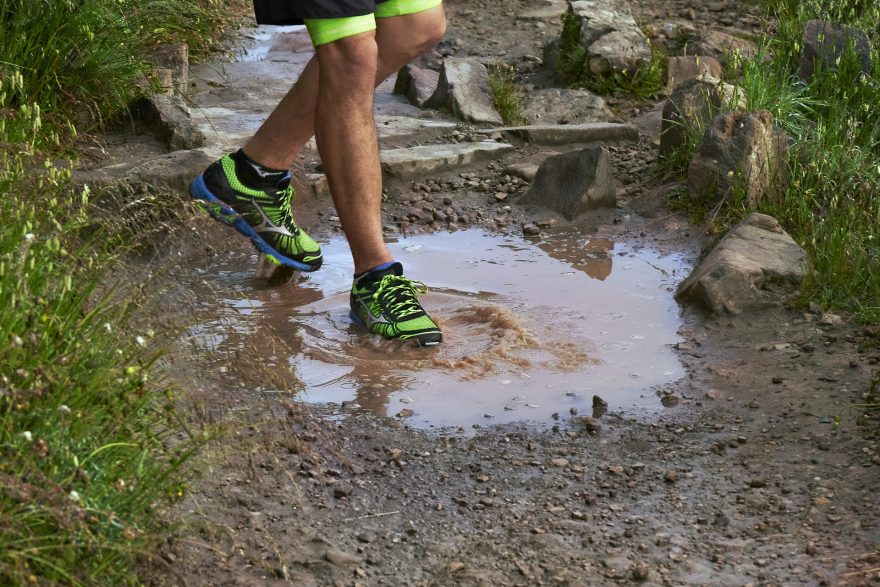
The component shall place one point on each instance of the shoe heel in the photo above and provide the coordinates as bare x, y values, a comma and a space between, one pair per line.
356, 319
198, 191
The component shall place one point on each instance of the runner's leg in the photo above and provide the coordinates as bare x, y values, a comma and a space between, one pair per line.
400, 40
346, 136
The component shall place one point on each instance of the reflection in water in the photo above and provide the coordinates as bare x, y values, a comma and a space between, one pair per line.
592, 256
529, 329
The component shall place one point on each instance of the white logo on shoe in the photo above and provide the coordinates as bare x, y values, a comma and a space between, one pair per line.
381, 319
267, 225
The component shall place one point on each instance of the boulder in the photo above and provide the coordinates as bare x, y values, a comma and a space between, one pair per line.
686, 68
740, 151
693, 106
824, 42
575, 182
721, 46
564, 106
416, 84
170, 120
550, 60
612, 40
463, 89
174, 59
652, 204
756, 265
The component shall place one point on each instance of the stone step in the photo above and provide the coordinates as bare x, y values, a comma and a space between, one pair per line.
404, 128
568, 134
426, 159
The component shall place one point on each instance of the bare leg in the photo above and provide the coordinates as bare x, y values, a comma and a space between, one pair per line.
346, 136
400, 39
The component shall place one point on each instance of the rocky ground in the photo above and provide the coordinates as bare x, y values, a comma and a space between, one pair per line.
760, 470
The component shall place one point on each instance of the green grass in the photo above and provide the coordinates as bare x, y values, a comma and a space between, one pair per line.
642, 82
507, 94
832, 205
79, 60
92, 452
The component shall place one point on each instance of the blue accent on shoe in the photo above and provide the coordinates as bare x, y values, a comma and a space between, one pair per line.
356, 319
383, 266
221, 211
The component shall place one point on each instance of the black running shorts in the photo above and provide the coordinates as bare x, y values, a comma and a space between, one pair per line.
284, 12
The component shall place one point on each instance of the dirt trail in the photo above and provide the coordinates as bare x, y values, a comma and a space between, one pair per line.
757, 470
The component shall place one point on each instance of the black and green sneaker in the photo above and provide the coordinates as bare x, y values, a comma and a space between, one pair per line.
262, 214
384, 302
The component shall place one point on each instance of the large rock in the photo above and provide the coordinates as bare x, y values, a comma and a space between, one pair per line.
169, 119
463, 89
756, 265
417, 84
564, 106
173, 58
692, 107
722, 46
610, 36
551, 62
744, 153
575, 182
824, 42
426, 159
684, 69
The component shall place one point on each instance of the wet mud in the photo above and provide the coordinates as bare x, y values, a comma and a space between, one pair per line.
724, 452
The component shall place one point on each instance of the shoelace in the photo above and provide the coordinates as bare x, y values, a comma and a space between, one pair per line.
287, 219
399, 294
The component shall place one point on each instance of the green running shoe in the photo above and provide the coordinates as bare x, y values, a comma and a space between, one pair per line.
384, 302
262, 215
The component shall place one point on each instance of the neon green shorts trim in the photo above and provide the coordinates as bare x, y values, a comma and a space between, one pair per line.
401, 7
327, 30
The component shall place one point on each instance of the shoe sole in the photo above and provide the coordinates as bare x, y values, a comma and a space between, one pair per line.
222, 212
424, 339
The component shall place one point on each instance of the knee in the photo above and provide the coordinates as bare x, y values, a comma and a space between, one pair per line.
430, 33
351, 61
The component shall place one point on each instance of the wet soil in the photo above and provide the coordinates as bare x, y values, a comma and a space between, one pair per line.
754, 467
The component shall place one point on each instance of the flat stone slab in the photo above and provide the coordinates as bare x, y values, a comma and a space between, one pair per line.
553, 12
402, 128
567, 134
175, 170
427, 159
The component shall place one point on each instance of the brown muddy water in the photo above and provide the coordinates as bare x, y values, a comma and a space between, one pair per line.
531, 329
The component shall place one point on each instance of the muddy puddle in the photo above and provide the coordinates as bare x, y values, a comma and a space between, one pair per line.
531, 329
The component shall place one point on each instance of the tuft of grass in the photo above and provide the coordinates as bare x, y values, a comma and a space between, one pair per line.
80, 60
92, 451
643, 82
507, 94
